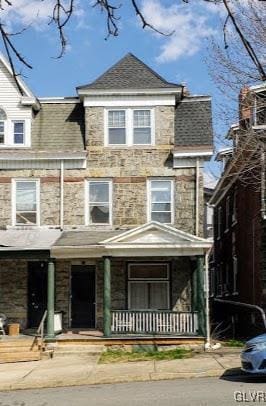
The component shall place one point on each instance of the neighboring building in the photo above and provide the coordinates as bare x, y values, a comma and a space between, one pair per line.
107, 189
239, 218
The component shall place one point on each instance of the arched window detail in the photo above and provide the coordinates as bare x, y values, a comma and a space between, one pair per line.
3, 118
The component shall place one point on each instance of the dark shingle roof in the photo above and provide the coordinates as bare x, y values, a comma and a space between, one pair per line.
58, 127
129, 73
83, 238
193, 122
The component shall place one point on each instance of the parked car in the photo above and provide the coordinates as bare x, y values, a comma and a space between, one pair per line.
253, 357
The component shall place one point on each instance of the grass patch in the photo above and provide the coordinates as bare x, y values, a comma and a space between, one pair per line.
233, 343
111, 356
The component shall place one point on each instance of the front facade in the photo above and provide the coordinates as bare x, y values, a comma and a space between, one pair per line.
102, 204
238, 269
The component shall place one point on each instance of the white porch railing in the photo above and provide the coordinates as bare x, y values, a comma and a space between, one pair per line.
154, 322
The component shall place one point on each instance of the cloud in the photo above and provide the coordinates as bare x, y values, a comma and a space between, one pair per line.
192, 24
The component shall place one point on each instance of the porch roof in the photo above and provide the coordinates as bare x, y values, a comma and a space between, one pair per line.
18, 240
151, 239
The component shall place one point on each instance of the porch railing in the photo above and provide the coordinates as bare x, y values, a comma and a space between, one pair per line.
154, 322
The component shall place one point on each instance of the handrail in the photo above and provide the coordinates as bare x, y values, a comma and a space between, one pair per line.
250, 306
40, 329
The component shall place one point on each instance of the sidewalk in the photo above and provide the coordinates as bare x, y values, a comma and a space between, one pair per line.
72, 371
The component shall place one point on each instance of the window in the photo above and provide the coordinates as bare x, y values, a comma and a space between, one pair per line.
18, 132
234, 214
129, 127
2, 126
99, 202
26, 202
219, 222
117, 127
161, 201
227, 213
235, 271
142, 127
148, 286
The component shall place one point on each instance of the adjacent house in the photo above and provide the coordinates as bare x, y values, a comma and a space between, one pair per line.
102, 204
239, 267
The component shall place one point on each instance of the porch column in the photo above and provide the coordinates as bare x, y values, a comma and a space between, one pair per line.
107, 298
200, 296
50, 300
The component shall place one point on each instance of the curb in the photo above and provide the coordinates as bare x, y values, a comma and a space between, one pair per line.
154, 376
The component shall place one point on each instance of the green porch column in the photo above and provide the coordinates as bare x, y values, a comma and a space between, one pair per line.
200, 295
50, 301
107, 297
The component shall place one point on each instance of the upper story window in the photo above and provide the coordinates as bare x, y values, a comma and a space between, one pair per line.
161, 201
129, 127
219, 222
2, 126
14, 133
26, 202
259, 109
98, 207
227, 213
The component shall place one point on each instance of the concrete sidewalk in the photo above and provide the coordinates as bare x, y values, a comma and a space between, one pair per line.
72, 371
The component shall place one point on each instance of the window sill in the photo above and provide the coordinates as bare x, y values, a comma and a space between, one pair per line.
14, 146
235, 294
131, 146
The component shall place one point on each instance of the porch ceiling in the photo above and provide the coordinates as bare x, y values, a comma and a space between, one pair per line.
151, 239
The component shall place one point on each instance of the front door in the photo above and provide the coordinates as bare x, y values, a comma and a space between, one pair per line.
37, 292
83, 296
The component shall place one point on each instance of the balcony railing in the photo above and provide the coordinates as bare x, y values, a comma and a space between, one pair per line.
154, 322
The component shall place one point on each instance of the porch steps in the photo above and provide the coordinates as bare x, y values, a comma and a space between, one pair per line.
77, 350
19, 350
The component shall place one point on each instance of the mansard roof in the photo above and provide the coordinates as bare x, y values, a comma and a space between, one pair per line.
193, 121
129, 73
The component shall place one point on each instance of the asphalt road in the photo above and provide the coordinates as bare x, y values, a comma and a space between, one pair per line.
197, 391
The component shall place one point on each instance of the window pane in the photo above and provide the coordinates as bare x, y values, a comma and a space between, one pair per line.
116, 118
142, 136
158, 295
26, 196
161, 207
142, 118
26, 218
98, 192
99, 214
117, 135
139, 296
161, 196
150, 271
163, 217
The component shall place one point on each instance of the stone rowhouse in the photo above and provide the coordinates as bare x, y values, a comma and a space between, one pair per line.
102, 204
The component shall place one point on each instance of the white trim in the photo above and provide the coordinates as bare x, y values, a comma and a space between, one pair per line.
192, 154
196, 98
116, 92
13, 202
148, 280
149, 202
129, 129
129, 101
58, 100
86, 201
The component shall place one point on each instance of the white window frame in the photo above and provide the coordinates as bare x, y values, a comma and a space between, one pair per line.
9, 133
148, 280
149, 200
14, 200
129, 117
13, 132
87, 213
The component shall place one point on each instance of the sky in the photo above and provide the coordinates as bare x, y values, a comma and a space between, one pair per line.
179, 57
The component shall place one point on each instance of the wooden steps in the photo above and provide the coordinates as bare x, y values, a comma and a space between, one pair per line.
19, 349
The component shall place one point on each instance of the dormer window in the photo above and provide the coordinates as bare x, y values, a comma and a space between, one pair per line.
2, 126
18, 132
129, 126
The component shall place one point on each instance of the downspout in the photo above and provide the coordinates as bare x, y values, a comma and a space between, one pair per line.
207, 298
61, 194
197, 199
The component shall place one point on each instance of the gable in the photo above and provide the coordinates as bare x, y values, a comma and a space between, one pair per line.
129, 73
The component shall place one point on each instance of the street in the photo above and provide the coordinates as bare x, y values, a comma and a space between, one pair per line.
185, 392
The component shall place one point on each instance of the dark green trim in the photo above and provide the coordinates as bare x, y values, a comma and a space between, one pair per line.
201, 308
107, 297
50, 301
